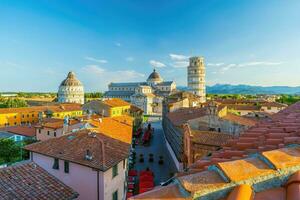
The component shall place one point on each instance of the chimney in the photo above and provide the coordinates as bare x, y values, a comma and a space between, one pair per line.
88, 155
92, 134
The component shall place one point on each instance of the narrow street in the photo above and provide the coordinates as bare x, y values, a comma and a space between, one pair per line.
158, 148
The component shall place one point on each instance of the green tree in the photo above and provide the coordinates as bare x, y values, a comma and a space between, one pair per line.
9, 151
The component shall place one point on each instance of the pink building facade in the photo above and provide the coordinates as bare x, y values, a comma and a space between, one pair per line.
91, 184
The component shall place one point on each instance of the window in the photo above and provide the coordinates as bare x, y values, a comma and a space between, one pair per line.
115, 171
22, 116
15, 123
32, 115
54, 134
39, 130
66, 166
124, 163
15, 117
48, 132
27, 115
115, 195
56, 163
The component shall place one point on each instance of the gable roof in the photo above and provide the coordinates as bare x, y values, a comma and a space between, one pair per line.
116, 102
182, 115
106, 150
64, 107
28, 131
30, 181
119, 128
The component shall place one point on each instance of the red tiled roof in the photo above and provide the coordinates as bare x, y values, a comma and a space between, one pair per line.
55, 123
251, 178
282, 129
244, 107
115, 102
106, 151
240, 119
182, 115
273, 104
210, 137
28, 131
55, 108
119, 128
30, 181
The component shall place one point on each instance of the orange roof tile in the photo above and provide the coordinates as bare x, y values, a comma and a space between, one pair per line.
55, 108
119, 128
244, 169
170, 192
256, 172
202, 181
241, 192
55, 123
115, 102
283, 158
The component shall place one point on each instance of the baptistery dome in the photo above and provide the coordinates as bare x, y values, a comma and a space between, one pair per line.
71, 90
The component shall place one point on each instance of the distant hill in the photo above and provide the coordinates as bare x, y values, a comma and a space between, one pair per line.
248, 89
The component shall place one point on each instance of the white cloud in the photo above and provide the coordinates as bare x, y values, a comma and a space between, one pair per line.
249, 64
179, 64
157, 64
118, 44
130, 59
215, 64
129, 74
93, 69
95, 60
178, 57
98, 78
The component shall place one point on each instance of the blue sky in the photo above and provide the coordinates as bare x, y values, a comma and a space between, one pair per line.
243, 41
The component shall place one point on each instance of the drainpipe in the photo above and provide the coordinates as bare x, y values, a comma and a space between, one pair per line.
98, 195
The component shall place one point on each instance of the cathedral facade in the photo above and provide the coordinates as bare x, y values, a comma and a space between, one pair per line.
146, 95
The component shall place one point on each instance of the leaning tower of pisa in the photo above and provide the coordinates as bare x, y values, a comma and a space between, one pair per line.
196, 77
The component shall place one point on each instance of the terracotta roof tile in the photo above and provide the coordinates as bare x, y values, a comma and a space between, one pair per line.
106, 151
182, 115
30, 181
267, 135
170, 192
283, 158
202, 181
55, 123
54, 108
115, 102
210, 137
244, 169
28, 131
240, 119
227, 180
119, 128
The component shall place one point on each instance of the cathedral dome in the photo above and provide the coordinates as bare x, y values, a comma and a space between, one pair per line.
71, 80
154, 77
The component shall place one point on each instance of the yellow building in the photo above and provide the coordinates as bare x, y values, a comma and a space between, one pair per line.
19, 116
109, 108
